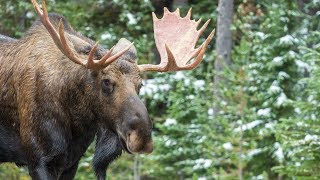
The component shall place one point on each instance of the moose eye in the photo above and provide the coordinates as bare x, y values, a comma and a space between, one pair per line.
107, 86
86, 50
139, 87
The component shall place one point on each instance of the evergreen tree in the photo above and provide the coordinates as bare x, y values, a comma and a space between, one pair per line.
299, 134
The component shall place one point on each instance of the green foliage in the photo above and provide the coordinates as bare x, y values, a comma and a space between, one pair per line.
260, 122
181, 144
299, 134
15, 17
11, 172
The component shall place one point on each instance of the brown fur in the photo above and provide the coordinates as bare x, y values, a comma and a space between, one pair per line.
51, 108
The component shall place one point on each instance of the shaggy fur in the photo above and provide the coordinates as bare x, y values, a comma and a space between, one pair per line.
51, 108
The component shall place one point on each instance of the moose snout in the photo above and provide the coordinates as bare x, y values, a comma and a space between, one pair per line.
148, 148
136, 126
139, 143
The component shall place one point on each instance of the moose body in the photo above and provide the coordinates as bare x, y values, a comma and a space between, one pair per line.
52, 108
60, 90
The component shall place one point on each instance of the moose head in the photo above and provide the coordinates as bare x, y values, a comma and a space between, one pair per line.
117, 83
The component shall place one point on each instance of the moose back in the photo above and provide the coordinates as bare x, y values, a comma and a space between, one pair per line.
61, 89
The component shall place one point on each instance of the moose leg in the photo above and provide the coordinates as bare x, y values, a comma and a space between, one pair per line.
69, 174
108, 148
44, 129
47, 166
46, 149
43, 171
10, 146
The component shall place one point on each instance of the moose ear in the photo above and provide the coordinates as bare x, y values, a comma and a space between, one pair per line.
129, 55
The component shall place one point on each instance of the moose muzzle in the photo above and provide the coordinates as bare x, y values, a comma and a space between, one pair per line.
136, 127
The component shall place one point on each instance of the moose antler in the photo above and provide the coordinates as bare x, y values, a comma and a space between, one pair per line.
175, 39
60, 40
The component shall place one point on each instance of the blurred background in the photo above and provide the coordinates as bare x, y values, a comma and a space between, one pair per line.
251, 109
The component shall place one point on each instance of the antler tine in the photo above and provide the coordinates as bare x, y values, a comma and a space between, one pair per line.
58, 38
44, 19
107, 55
154, 17
177, 12
90, 62
44, 7
189, 13
66, 50
36, 7
200, 53
62, 43
166, 10
177, 48
204, 26
106, 60
198, 22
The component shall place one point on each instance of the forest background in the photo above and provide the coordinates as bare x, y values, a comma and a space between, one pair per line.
252, 112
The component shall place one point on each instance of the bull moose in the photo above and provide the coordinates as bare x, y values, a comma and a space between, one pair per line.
60, 90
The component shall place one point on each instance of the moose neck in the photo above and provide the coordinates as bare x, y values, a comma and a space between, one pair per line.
70, 85
78, 92
55, 78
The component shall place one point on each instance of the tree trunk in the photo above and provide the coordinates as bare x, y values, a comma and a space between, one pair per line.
177, 3
136, 168
302, 5
223, 42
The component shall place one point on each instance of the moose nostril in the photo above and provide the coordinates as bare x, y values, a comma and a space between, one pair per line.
128, 135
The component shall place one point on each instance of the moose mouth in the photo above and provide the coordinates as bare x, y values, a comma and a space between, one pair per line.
124, 145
